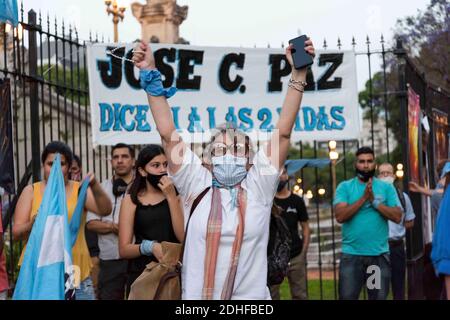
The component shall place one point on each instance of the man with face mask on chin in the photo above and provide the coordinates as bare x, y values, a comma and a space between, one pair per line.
364, 205
294, 214
397, 233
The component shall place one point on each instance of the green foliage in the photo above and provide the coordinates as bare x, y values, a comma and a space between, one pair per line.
69, 83
14, 259
426, 37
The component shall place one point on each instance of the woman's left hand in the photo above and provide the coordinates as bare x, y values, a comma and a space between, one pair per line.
92, 179
167, 187
309, 47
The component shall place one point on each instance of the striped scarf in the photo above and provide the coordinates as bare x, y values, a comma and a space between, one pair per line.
213, 234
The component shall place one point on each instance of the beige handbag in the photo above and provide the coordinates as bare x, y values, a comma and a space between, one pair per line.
162, 280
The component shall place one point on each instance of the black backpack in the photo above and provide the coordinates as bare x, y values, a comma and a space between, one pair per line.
278, 249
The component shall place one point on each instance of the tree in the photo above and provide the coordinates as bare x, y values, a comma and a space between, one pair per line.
426, 37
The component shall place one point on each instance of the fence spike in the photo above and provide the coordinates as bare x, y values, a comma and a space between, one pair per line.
367, 40
48, 22
282, 44
353, 42
382, 39
268, 45
325, 44
56, 26
339, 43
40, 18
21, 10
90, 35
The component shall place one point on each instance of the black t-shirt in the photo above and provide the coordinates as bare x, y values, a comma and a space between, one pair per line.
294, 211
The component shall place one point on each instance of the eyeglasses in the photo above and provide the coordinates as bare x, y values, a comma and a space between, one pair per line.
236, 149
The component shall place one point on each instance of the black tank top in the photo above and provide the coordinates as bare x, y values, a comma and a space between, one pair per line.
151, 222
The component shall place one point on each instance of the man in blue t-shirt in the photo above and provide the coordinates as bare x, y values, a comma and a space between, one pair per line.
364, 205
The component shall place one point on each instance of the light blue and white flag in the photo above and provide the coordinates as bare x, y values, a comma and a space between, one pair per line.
9, 12
47, 272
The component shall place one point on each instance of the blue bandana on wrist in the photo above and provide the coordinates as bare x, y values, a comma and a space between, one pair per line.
150, 81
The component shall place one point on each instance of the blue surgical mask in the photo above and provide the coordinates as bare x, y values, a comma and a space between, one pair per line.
229, 170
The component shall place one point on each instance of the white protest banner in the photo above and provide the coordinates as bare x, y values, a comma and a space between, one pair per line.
217, 85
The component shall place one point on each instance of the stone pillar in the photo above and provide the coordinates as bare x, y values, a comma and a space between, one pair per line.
160, 20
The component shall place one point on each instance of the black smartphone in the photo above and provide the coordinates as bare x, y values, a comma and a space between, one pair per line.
300, 57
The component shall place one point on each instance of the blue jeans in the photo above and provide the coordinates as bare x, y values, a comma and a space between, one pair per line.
86, 290
372, 272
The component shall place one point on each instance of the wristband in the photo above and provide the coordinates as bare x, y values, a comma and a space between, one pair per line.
146, 247
376, 203
150, 81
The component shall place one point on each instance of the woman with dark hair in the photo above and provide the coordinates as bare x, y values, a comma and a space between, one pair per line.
151, 213
75, 169
30, 200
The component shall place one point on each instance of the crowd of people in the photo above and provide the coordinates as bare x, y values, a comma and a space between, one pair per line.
149, 198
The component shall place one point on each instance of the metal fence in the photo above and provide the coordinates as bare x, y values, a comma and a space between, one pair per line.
46, 66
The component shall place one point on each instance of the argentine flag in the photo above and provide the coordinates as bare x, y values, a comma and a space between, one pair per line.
47, 272
9, 12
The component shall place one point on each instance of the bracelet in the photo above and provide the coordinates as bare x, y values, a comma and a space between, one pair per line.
300, 82
296, 87
150, 81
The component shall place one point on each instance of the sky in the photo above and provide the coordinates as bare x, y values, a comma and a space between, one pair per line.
250, 23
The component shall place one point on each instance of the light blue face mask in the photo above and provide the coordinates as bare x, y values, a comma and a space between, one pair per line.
229, 170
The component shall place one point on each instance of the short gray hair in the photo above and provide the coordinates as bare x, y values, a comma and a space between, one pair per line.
234, 132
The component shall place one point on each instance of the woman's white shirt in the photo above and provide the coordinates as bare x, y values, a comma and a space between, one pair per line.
251, 277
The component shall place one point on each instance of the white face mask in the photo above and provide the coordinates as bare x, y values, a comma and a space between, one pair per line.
388, 179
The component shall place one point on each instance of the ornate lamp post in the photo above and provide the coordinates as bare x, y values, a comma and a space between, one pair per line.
118, 15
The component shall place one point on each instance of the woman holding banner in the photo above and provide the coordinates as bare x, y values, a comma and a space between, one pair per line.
30, 200
225, 253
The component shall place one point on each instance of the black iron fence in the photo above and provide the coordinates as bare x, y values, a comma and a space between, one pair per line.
433, 147
46, 65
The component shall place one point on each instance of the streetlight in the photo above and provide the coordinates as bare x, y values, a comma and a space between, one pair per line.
321, 191
334, 156
299, 180
309, 194
118, 15
332, 144
399, 173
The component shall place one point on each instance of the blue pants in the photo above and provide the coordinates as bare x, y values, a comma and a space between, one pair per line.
398, 270
372, 272
85, 291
